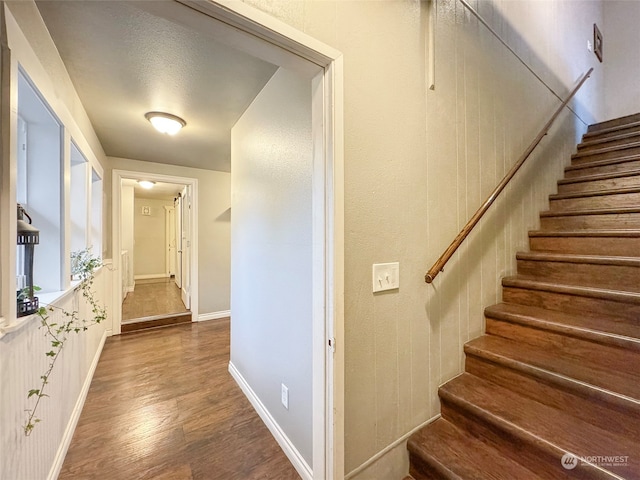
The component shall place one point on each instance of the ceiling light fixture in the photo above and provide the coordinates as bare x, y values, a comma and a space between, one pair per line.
165, 122
148, 184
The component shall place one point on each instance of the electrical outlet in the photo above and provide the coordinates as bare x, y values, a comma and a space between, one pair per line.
284, 398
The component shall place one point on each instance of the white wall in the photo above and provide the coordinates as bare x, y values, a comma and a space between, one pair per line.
621, 38
128, 233
271, 294
22, 361
150, 241
418, 163
22, 351
214, 219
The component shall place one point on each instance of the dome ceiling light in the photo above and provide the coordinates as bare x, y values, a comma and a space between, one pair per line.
148, 184
165, 122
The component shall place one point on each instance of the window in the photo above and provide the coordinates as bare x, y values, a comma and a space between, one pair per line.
96, 214
39, 180
78, 203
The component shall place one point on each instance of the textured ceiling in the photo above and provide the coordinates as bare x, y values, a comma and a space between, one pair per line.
125, 62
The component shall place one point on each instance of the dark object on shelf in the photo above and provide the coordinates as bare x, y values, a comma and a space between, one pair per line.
28, 237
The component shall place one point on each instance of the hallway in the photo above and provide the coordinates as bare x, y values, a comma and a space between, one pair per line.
162, 405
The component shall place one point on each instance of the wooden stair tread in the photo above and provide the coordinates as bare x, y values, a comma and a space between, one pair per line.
590, 211
521, 281
599, 151
595, 193
600, 176
515, 370
613, 138
573, 258
540, 426
455, 454
558, 368
586, 369
588, 327
631, 232
603, 162
614, 124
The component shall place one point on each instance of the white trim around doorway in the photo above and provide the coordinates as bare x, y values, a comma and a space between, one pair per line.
116, 211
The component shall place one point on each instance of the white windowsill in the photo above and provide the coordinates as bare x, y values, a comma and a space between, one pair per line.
44, 299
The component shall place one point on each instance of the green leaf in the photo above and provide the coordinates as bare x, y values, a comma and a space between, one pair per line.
33, 392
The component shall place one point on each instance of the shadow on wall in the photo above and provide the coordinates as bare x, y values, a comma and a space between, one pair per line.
572, 59
492, 107
494, 225
224, 216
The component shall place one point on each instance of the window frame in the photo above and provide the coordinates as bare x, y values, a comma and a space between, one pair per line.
93, 174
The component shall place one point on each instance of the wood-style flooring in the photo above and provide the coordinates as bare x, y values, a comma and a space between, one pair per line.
162, 405
151, 298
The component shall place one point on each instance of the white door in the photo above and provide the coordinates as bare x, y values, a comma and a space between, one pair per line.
186, 246
170, 236
178, 229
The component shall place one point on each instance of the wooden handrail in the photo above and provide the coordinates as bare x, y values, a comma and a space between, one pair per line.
448, 253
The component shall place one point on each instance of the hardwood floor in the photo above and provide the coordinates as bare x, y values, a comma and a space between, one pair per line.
152, 298
162, 405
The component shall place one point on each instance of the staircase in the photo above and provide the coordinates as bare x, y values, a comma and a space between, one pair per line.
552, 390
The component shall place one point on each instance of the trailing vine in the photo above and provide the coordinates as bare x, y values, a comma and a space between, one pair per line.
83, 266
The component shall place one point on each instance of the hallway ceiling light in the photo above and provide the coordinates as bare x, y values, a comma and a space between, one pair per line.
165, 122
148, 184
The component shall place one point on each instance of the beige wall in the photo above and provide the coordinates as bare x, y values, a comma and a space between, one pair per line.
150, 236
417, 165
621, 37
214, 219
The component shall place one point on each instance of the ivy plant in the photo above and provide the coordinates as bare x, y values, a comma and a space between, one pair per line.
83, 266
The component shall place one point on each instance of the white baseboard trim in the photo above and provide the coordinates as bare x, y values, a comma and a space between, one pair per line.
75, 415
131, 289
289, 449
388, 448
150, 276
203, 317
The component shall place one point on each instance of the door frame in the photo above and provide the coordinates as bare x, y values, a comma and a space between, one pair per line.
116, 238
177, 206
169, 223
185, 280
266, 37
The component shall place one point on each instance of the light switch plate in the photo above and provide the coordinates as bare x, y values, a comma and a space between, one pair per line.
386, 276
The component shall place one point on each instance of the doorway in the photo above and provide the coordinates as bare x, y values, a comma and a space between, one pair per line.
251, 31
154, 240
154, 231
